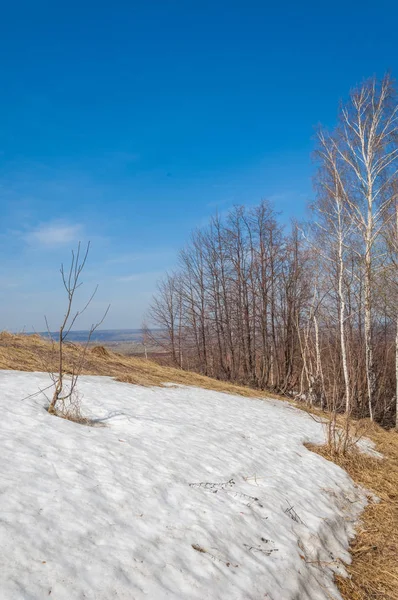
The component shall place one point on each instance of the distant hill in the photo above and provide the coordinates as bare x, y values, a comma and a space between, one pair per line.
100, 336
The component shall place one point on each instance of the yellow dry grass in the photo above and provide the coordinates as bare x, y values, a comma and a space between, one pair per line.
373, 574
34, 353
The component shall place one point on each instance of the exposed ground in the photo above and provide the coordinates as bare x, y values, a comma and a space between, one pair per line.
33, 353
374, 570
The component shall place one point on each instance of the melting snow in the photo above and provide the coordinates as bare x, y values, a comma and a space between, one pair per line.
184, 493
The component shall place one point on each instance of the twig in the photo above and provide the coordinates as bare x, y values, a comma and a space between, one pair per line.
213, 487
216, 558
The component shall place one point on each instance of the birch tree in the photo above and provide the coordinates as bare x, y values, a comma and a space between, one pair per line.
390, 234
366, 147
334, 225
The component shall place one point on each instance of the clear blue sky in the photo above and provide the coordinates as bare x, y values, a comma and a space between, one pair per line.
130, 123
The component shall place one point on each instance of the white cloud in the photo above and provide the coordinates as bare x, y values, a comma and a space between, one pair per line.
54, 234
145, 277
140, 256
127, 278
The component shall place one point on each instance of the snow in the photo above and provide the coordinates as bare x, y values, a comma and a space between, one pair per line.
368, 446
127, 509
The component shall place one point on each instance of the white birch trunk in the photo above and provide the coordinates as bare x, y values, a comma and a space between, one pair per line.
370, 375
342, 321
319, 371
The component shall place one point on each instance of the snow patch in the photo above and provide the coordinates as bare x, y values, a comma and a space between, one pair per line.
186, 493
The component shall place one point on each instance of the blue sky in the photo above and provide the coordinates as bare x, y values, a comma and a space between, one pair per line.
130, 123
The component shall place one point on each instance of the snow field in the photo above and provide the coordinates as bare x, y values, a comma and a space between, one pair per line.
179, 493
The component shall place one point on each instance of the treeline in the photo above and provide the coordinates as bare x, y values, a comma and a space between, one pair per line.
311, 312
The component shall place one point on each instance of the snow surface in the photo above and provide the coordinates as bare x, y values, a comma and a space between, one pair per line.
109, 512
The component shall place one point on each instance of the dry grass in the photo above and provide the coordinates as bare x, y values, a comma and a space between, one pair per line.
34, 353
373, 574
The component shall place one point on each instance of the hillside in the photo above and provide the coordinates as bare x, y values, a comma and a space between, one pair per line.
34, 353
199, 437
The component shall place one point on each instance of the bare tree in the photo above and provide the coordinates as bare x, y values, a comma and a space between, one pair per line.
312, 317
146, 338
334, 227
366, 146
65, 396
389, 281
165, 312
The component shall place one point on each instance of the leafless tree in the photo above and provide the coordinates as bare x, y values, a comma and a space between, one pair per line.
311, 316
165, 313
65, 400
366, 144
334, 228
389, 280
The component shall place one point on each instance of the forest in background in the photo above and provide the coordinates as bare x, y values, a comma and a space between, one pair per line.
308, 311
